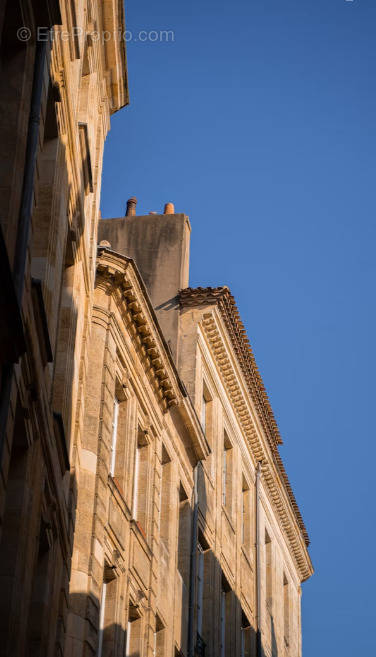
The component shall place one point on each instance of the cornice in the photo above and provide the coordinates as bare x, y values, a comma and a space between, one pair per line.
114, 273
274, 475
222, 297
119, 274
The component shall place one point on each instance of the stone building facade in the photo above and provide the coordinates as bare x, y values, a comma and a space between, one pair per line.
144, 506
248, 544
58, 89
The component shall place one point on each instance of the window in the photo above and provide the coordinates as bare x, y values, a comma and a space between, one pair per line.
40, 595
115, 419
204, 410
246, 637
165, 499
134, 632
246, 515
66, 336
86, 159
227, 473
223, 623
159, 638
73, 30
101, 620
268, 572
204, 593
200, 587
206, 401
226, 614
49, 216
184, 539
286, 609
16, 65
119, 456
107, 613
140, 484
206, 417
14, 516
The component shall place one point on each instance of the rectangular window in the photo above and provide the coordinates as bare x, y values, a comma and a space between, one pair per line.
40, 595
204, 593
200, 587
184, 538
226, 615
73, 30
286, 609
204, 411
246, 516
85, 157
107, 613
165, 499
101, 620
134, 632
227, 473
136, 482
268, 572
245, 636
159, 638
206, 417
115, 419
223, 623
119, 455
140, 484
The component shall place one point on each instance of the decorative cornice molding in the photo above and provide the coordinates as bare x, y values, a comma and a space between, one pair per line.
274, 474
114, 273
222, 297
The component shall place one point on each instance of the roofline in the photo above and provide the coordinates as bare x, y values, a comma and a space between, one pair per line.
187, 409
224, 300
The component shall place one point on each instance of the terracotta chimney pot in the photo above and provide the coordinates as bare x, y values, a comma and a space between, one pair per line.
131, 207
169, 208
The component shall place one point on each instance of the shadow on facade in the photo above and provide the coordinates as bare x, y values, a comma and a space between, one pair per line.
216, 624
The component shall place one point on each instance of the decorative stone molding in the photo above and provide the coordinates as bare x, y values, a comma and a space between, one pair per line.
274, 474
113, 271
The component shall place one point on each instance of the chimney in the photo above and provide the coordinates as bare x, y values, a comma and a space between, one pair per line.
159, 245
131, 207
169, 208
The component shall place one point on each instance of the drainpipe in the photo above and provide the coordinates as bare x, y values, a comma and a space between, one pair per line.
24, 219
258, 562
192, 577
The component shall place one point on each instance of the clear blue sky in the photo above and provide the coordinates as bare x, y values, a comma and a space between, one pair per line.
259, 122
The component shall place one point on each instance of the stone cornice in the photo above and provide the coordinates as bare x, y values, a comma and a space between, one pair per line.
120, 274
222, 297
113, 271
274, 474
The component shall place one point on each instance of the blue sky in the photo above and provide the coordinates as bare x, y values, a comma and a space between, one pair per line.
259, 122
